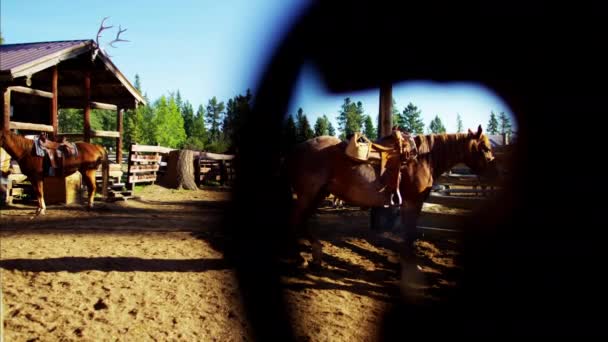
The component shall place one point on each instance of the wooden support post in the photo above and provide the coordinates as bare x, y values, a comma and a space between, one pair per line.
6, 117
119, 139
87, 106
386, 110
54, 101
384, 218
129, 169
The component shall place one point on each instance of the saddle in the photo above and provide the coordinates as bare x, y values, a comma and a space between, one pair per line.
57, 152
390, 158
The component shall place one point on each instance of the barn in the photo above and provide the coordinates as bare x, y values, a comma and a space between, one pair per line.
40, 78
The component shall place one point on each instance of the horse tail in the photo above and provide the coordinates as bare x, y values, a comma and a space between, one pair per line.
105, 172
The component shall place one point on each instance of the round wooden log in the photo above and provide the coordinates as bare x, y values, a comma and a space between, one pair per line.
180, 170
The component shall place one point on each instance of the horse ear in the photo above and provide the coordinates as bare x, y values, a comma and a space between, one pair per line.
470, 133
479, 132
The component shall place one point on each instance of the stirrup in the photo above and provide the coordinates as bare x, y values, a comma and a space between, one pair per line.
398, 193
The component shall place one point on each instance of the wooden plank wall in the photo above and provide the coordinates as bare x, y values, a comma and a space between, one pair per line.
145, 163
214, 167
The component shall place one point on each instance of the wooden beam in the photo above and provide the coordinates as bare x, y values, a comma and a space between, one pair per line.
30, 126
93, 134
54, 101
6, 116
119, 139
150, 148
30, 91
215, 156
99, 105
87, 106
76, 101
104, 134
386, 110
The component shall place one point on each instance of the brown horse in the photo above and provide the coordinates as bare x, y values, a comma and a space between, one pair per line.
319, 166
87, 160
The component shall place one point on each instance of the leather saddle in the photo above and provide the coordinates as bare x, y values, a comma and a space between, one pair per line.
390, 157
57, 153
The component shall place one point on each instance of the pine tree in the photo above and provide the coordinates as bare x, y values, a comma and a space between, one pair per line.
103, 120
132, 126
198, 134
178, 100
330, 128
137, 83
493, 124
321, 126
303, 129
410, 119
169, 124
394, 114
504, 124
215, 110
350, 118
436, 126
459, 128
369, 131
237, 110
148, 129
188, 115
70, 120
133, 120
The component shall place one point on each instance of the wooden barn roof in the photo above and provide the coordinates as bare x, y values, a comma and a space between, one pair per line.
74, 58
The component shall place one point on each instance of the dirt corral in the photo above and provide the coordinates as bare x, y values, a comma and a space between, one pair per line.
152, 269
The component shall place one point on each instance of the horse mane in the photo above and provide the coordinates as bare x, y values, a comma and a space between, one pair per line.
442, 151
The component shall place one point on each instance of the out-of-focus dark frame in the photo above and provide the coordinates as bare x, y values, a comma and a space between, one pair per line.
531, 263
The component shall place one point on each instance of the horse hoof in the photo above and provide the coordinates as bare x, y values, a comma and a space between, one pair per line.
413, 282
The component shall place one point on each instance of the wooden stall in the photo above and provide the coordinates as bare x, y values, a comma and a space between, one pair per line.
38, 79
214, 167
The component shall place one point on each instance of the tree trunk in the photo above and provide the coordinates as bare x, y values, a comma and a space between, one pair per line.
180, 170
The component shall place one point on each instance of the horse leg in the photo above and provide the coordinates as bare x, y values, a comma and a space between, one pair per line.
410, 212
412, 278
304, 208
89, 180
39, 190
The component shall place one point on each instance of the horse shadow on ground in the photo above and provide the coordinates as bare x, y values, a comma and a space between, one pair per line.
437, 252
380, 282
116, 264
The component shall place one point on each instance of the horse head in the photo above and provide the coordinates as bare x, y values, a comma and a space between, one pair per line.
481, 158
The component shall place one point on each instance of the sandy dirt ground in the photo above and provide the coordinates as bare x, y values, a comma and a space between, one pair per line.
149, 269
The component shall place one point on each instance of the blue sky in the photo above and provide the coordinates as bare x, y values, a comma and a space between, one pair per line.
472, 101
217, 48
203, 48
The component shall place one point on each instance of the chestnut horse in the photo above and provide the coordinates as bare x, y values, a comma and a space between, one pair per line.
88, 159
320, 166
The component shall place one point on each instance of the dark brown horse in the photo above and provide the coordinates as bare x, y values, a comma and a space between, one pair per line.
87, 161
320, 166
